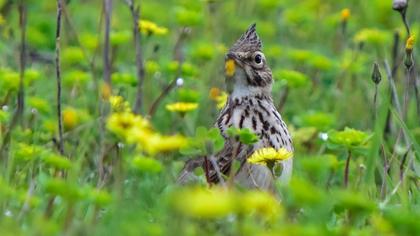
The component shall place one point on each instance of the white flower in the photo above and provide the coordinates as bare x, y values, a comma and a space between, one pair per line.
323, 136
179, 82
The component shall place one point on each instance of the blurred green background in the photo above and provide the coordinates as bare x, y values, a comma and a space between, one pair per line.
321, 54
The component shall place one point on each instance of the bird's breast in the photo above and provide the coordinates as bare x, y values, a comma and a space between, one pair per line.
260, 116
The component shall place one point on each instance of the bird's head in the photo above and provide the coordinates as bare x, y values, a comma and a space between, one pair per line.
246, 69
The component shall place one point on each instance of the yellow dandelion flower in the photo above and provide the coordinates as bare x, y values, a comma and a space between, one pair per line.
345, 14
221, 100
269, 155
214, 93
182, 107
118, 104
261, 203
218, 96
205, 203
157, 143
140, 134
410, 43
161, 31
148, 27
230, 67
116, 101
70, 118
122, 124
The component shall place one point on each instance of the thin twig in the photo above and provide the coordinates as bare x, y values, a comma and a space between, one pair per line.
50, 203
158, 100
217, 169
21, 91
404, 19
103, 109
135, 13
107, 60
58, 75
178, 56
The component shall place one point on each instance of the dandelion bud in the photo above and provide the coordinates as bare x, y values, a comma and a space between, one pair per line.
410, 44
376, 74
408, 62
399, 5
345, 14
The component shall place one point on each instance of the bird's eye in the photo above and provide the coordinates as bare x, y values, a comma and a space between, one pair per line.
258, 59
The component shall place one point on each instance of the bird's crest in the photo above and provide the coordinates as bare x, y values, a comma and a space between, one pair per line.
249, 41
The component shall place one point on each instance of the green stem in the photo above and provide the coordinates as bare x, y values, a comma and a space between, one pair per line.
346, 170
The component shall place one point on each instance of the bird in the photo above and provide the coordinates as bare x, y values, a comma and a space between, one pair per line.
249, 105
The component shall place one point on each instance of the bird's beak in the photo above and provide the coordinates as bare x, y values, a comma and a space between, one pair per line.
231, 55
230, 64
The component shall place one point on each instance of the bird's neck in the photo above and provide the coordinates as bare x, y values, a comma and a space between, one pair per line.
240, 91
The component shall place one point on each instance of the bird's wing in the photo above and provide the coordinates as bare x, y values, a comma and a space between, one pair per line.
223, 163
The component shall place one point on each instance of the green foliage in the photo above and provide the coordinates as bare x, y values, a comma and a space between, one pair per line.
117, 175
245, 136
293, 79
205, 141
146, 164
348, 138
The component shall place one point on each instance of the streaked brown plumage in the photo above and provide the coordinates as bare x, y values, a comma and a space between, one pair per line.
249, 106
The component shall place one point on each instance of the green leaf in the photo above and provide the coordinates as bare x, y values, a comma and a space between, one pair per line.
245, 136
